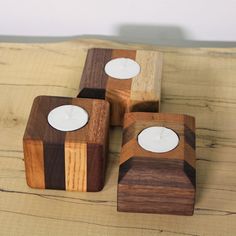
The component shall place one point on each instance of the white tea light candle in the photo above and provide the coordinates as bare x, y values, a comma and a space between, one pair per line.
68, 118
122, 68
158, 139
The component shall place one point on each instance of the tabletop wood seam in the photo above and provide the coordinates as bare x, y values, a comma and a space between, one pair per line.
104, 225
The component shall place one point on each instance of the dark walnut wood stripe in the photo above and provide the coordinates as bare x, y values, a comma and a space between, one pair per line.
156, 186
54, 166
147, 106
128, 134
94, 76
190, 137
190, 172
95, 167
92, 93
54, 152
156, 167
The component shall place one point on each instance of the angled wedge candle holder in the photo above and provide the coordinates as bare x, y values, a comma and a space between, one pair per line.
129, 79
157, 164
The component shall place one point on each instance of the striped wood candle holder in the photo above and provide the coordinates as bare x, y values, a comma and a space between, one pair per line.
72, 160
141, 93
152, 182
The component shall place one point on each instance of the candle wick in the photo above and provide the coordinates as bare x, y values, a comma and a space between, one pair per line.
124, 63
162, 132
69, 113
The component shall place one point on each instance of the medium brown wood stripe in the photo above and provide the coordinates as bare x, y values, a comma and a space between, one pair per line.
33, 146
81, 135
129, 119
99, 122
139, 121
76, 166
128, 150
164, 117
118, 91
119, 104
132, 148
128, 133
117, 84
135, 128
97, 145
182, 152
34, 163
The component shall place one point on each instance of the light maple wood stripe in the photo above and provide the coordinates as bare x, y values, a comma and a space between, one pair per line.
34, 163
146, 86
76, 166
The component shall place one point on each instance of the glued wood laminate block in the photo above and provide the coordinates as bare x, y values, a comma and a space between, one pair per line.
152, 182
140, 93
73, 160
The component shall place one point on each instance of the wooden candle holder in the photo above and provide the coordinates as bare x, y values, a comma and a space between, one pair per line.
72, 160
152, 182
141, 93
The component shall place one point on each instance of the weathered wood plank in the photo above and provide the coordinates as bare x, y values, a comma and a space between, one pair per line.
199, 82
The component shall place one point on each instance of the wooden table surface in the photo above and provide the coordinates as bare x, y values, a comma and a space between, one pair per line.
196, 81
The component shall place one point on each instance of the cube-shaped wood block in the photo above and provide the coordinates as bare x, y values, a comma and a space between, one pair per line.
152, 182
74, 160
141, 93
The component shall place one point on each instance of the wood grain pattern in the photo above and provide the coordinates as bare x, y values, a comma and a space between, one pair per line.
142, 120
155, 186
76, 166
152, 182
146, 87
34, 170
65, 154
118, 91
196, 81
94, 78
96, 154
141, 93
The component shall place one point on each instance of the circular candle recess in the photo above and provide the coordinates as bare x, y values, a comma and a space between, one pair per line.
68, 117
122, 68
158, 139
